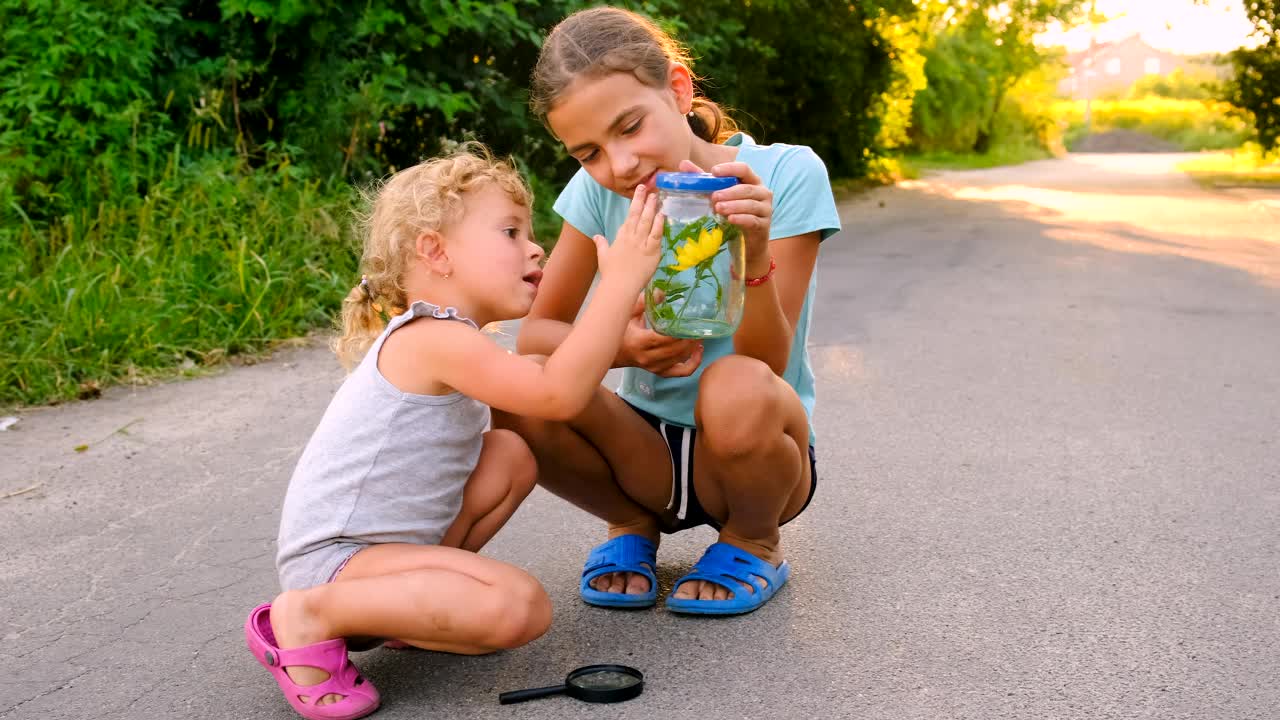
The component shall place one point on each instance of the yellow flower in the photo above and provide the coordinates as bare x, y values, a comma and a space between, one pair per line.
694, 251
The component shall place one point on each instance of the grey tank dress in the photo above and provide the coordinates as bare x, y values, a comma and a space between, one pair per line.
383, 466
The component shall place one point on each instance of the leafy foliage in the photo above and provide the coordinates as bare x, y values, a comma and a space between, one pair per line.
176, 175
980, 53
79, 112
1256, 85
1178, 85
766, 60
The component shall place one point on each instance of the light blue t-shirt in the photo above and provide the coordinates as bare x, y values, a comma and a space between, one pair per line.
802, 203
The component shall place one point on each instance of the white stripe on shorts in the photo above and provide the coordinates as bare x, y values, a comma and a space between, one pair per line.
679, 470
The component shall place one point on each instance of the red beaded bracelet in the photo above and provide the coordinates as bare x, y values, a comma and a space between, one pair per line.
753, 282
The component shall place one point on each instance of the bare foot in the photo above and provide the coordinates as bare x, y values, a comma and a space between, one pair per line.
703, 590
624, 582
631, 583
294, 626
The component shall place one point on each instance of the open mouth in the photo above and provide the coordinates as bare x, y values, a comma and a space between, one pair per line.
534, 278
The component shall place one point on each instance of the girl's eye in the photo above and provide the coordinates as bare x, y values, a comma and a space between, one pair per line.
588, 157
511, 232
631, 129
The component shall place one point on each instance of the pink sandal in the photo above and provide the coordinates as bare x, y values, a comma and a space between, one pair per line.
359, 697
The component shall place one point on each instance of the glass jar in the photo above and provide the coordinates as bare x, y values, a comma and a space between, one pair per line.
698, 289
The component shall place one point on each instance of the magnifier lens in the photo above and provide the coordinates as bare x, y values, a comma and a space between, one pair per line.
592, 683
604, 680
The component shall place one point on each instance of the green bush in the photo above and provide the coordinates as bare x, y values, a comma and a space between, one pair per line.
1178, 85
1255, 86
792, 84
1255, 89
81, 118
176, 175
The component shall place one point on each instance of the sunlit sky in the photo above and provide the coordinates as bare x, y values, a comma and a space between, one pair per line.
1178, 26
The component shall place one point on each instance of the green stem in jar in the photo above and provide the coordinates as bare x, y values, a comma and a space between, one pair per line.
702, 270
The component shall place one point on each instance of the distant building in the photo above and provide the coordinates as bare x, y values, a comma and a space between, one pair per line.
1114, 66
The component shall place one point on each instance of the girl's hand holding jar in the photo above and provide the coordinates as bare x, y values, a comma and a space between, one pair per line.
749, 205
716, 236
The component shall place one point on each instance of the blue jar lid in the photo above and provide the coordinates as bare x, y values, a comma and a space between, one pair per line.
693, 182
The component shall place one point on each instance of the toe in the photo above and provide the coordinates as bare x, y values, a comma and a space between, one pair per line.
684, 591
722, 593
637, 584
708, 591
617, 582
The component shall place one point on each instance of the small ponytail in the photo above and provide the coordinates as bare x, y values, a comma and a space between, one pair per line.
362, 323
709, 122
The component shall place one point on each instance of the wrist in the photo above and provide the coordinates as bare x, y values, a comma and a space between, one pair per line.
616, 284
756, 280
758, 266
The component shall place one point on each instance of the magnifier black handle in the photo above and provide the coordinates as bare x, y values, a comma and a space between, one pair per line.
516, 696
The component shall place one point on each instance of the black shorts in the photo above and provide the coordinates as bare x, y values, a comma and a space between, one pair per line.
684, 498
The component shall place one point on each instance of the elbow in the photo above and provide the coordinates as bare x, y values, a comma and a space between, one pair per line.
780, 353
565, 403
776, 361
524, 339
778, 365
563, 408
537, 336
775, 355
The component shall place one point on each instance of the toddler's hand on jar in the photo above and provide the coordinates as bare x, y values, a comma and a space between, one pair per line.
749, 205
636, 248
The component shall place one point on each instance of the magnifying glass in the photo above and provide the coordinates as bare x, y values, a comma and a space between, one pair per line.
590, 683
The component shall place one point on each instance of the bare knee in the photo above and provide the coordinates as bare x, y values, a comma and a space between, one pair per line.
519, 466
521, 612
513, 612
736, 403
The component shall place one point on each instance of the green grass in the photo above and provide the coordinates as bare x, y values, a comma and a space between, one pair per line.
213, 261
1247, 166
1006, 154
216, 261
1192, 125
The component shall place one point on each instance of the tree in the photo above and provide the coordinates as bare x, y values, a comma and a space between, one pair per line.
981, 50
1256, 85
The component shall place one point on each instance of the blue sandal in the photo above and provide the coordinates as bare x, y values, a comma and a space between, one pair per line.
722, 564
625, 553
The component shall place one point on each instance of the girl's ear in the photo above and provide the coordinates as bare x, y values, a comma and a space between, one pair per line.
680, 81
429, 247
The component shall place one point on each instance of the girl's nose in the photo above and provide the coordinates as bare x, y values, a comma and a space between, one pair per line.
535, 251
623, 163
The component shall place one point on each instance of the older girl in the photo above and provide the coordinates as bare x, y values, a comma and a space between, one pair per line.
701, 433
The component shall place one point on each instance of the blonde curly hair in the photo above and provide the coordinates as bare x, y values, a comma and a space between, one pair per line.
426, 197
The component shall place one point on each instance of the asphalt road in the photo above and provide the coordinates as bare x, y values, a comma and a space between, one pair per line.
1049, 447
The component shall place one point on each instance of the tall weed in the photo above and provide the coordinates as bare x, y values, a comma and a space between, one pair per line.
213, 260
